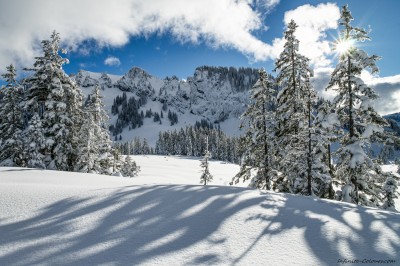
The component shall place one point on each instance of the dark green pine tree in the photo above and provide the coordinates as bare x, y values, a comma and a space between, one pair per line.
258, 143
356, 171
292, 116
11, 123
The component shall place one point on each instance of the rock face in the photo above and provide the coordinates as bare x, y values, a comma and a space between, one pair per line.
214, 93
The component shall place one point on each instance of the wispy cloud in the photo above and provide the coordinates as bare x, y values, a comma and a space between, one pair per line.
112, 61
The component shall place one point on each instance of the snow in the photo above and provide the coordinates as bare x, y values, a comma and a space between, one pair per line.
358, 155
163, 217
370, 129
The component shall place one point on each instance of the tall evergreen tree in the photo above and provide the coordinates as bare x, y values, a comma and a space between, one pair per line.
258, 142
11, 123
355, 169
57, 100
292, 116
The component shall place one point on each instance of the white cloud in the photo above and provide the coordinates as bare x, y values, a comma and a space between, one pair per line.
229, 23
112, 61
313, 22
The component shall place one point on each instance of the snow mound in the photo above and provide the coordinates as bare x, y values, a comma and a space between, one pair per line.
162, 217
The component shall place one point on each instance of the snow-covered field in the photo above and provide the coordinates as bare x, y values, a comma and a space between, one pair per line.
163, 217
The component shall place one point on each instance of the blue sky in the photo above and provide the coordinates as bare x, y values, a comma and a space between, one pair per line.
161, 54
173, 37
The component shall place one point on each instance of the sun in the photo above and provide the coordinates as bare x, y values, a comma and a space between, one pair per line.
343, 46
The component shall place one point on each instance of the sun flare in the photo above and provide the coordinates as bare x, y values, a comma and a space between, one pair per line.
343, 46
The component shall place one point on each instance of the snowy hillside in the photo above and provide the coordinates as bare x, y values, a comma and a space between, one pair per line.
163, 217
219, 95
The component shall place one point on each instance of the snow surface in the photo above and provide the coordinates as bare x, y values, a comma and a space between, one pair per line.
163, 217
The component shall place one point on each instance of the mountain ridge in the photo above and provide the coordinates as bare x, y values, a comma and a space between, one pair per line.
216, 94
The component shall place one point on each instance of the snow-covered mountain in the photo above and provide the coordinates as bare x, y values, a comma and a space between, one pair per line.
217, 94
164, 217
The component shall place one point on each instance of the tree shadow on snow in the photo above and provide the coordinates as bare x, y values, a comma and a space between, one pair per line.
131, 226
332, 231
135, 224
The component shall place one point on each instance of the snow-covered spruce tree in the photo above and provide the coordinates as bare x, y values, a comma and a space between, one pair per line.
57, 100
129, 167
45, 67
206, 176
34, 143
87, 148
11, 123
258, 141
324, 132
73, 99
96, 152
292, 116
356, 171
390, 191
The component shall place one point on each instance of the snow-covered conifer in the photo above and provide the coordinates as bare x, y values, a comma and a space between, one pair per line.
354, 106
129, 167
325, 128
96, 154
258, 141
206, 176
34, 143
57, 100
292, 116
11, 123
389, 189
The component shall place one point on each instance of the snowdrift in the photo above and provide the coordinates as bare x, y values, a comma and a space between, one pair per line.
59, 218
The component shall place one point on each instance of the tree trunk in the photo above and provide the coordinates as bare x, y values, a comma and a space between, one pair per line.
266, 163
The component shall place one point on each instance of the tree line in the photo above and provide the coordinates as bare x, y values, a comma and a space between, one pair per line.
189, 141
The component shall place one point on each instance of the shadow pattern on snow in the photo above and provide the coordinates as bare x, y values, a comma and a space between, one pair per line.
133, 225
